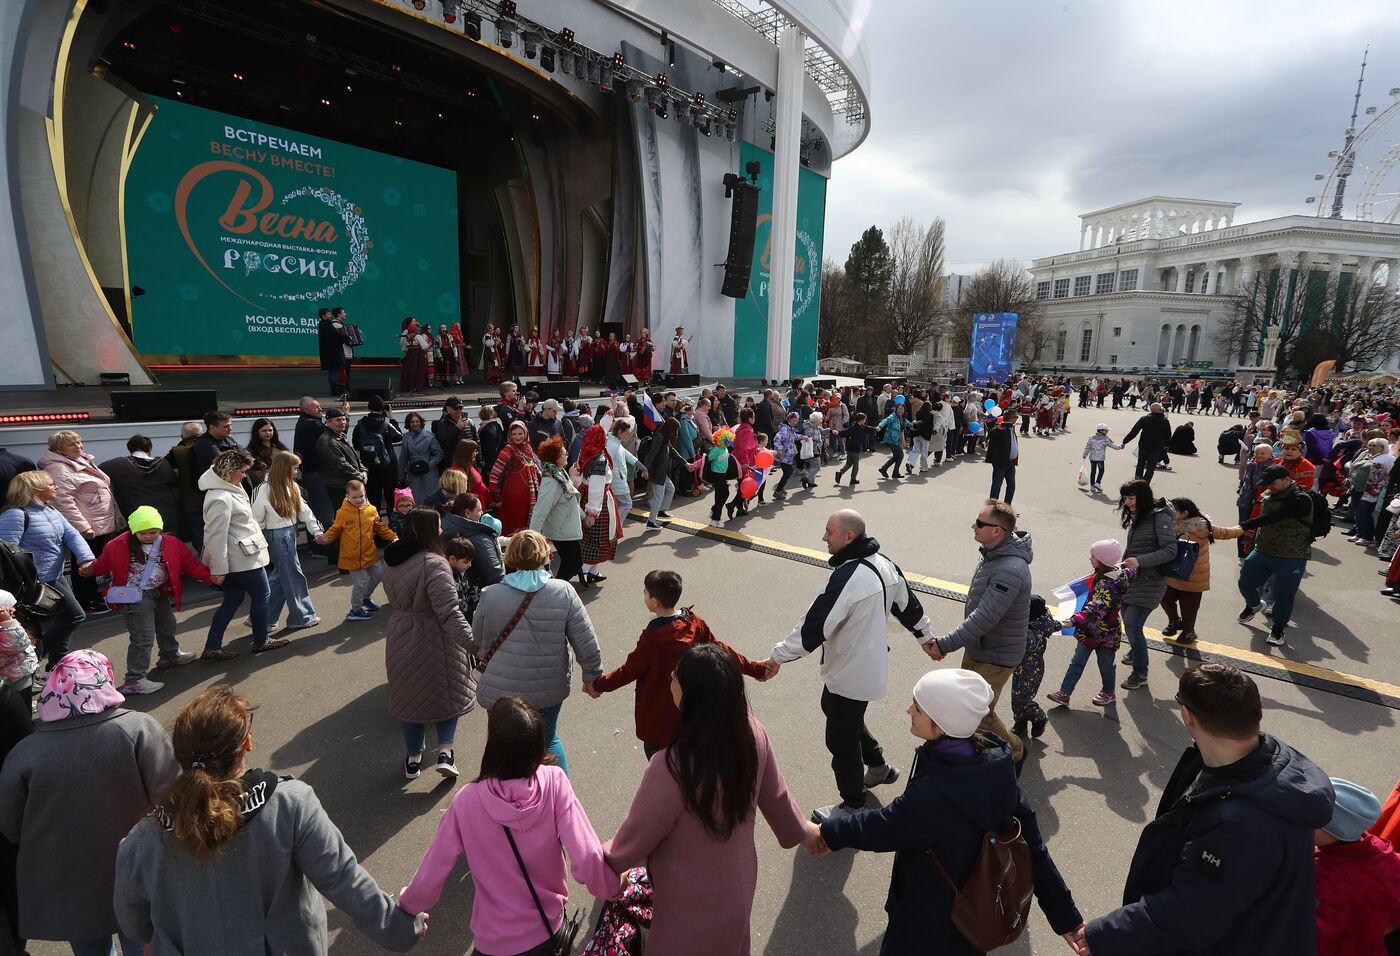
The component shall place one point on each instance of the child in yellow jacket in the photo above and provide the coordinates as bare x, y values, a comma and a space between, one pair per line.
357, 522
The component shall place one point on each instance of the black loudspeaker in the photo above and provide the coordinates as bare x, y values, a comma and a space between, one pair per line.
164, 404
682, 380
629, 381
562, 388
743, 220
363, 388
530, 383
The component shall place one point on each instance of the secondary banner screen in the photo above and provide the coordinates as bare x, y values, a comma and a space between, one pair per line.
238, 232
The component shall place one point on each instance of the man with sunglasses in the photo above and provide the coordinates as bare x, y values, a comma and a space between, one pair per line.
996, 616
1227, 865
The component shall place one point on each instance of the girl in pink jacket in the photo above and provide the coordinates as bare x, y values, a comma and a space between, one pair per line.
518, 799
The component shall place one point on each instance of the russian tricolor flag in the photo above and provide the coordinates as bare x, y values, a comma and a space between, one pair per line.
1070, 599
649, 410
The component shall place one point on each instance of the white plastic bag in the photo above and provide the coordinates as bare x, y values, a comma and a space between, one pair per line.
1083, 477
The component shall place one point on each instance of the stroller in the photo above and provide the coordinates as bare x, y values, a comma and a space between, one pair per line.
1229, 443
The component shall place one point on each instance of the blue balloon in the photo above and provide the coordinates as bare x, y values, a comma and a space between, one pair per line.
989, 404
974, 427
899, 399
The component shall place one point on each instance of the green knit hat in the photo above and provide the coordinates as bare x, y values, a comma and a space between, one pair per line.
145, 518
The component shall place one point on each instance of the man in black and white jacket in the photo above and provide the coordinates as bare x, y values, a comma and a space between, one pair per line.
847, 621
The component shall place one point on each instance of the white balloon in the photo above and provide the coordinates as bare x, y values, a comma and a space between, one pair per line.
994, 411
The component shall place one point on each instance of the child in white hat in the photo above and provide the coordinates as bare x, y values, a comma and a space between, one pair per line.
18, 662
1095, 451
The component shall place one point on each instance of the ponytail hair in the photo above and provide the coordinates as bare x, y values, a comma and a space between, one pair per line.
203, 806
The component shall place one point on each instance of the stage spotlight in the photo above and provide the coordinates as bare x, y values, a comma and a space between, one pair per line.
705, 127
662, 81
507, 8
471, 23
652, 101
450, 9
505, 34
729, 131
580, 67
661, 109
566, 37
547, 59
605, 83
595, 72
695, 116
634, 91
531, 43
678, 108
618, 61
733, 116
566, 62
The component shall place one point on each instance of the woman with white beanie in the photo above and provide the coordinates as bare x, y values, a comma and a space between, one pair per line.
962, 785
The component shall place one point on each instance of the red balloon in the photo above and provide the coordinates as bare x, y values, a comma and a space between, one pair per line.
748, 488
764, 459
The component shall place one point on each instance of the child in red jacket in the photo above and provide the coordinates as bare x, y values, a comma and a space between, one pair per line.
651, 662
1358, 878
150, 619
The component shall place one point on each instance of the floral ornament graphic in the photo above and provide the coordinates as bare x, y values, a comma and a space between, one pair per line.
355, 231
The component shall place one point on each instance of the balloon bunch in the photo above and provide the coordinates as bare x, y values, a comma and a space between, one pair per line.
763, 460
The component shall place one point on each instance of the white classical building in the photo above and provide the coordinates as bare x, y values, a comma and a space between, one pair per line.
1152, 279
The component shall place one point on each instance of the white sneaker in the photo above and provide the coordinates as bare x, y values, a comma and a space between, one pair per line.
833, 812
137, 687
716, 524
881, 775
314, 622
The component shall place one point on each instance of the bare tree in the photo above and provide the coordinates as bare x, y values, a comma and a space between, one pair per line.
1363, 335
1003, 286
1263, 308
916, 285
840, 317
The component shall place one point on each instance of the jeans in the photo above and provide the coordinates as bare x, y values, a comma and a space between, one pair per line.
918, 452
624, 500
997, 676
363, 581
552, 743
1366, 520
288, 583
1134, 618
237, 584
1147, 466
852, 465
102, 946
851, 744
896, 457
1096, 473
415, 736
954, 444
1002, 473
1107, 668
56, 634
661, 498
1287, 575
149, 621
811, 468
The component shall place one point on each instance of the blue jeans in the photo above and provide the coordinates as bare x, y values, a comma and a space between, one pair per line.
1287, 575
552, 743
1134, 618
102, 946
1081, 657
415, 736
57, 634
896, 458
1366, 520
288, 583
1096, 473
1002, 473
237, 584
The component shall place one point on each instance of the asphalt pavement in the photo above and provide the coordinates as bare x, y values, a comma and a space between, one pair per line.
1094, 778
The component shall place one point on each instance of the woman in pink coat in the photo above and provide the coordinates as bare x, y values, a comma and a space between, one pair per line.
695, 812
85, 499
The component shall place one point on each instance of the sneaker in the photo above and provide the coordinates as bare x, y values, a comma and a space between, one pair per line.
1187, 637
314, 622
360, 614
179, 660
411, 765
1059, 697
1128, 659
653, 526
664, 514
1391, 592
1103, 700
142, 686
1248, 613
715, 523
446, 766
369, 605
1171, 630
219, 655
1134, 681
1038, 728
1275, 637
881, 775
1269, 611
275, 644
833, 812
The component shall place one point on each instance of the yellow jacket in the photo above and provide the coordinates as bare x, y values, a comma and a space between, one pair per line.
356, 527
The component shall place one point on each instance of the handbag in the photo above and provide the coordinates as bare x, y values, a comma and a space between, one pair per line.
479, 664
132, 594
560, 943
1185, 561
418, 467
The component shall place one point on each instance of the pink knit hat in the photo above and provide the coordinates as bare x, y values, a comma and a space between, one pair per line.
1108, 551
402, 493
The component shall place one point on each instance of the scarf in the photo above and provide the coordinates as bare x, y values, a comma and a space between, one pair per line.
551, 470
82, 683
595, 443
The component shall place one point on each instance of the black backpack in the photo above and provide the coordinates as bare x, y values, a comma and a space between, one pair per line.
1321, 520
18, 574
374, 452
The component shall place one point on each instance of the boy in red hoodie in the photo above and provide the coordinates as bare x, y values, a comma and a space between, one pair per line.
651, 662
1358, 877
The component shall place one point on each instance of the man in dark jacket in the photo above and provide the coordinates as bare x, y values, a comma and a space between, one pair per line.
492, 438
217, 439
339, 462
1003, 454
763, 414
333, 342
309, 429
728, 407
11, 465
1155, 432
138, 479
487, 565
451, 427
374, 439
1227, 864
181, 458
869, 405
548, 424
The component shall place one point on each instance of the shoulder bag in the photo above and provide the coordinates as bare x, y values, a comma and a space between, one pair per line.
479, 664
132, 594
991, 906
42, 600
559, 943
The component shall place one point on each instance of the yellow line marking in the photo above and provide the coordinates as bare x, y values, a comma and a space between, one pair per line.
1381, 688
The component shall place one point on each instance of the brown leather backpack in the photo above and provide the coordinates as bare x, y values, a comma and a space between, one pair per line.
991, 906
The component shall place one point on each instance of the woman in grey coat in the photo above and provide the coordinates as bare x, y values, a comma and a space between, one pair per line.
242, 868
419, 448
533, 661
1151, 545
70, 792
427, 652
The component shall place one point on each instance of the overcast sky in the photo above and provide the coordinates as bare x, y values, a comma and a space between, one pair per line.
1009, 118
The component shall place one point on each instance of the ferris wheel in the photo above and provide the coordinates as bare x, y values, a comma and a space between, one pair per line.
1365, 181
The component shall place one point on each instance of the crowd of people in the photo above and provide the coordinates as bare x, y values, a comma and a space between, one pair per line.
482, 536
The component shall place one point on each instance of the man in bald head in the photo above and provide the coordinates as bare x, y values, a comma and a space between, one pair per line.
847, 621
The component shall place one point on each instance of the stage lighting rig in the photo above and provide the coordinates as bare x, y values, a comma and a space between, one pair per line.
731, 180
619, 63
753, 168
471, 24
505, 33
547, 59
634, 91
566, 62
566, 37
508, 8
653, 98
450, 10
531, 43
661, 81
